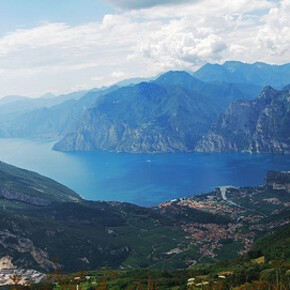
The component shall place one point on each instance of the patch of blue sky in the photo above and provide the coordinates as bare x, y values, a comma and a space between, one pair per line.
22, 14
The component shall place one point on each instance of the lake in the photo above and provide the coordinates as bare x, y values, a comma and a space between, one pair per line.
142, 179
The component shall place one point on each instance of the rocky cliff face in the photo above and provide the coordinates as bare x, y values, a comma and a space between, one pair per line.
167, 115
14, 243
258, 126
18, 196
146, 118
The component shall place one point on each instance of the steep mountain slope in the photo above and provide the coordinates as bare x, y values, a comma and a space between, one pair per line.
166, 115
42, 219
274, 246
31, 188
261, 125
258, 73
33, 241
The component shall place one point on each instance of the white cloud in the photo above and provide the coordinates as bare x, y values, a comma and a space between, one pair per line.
206, 8
118, 74
97, 78
273, 38
181, 43
141, 43
139, 4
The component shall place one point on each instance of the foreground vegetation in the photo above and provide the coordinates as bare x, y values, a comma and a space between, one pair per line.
271, 270
242, 273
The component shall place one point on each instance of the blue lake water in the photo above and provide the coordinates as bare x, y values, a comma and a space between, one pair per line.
140, 178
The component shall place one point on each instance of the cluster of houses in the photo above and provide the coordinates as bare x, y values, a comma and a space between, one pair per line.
243, 206
210, 237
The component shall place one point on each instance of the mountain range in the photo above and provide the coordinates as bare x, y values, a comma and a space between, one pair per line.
166, 115
175, 112
259, 73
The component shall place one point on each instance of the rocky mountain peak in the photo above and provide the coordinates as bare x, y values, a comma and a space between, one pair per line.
268, 92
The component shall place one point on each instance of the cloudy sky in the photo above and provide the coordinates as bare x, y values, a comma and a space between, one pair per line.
60, 46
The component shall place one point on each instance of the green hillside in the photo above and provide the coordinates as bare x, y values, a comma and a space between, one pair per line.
30, 187
243, 273
275, 246
43, 221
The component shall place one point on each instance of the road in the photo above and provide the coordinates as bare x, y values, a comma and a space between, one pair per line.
223, 190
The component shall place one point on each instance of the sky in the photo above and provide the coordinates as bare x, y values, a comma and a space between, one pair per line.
60, 46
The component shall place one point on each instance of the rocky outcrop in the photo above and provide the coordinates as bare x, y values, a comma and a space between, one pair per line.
15, 243
8, 270
6, 263
278, 180
258, 126
18, 196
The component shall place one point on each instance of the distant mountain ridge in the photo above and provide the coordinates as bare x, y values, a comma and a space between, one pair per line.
48, 121
258, 73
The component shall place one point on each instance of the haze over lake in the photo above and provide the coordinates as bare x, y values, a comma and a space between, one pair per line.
143, 179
